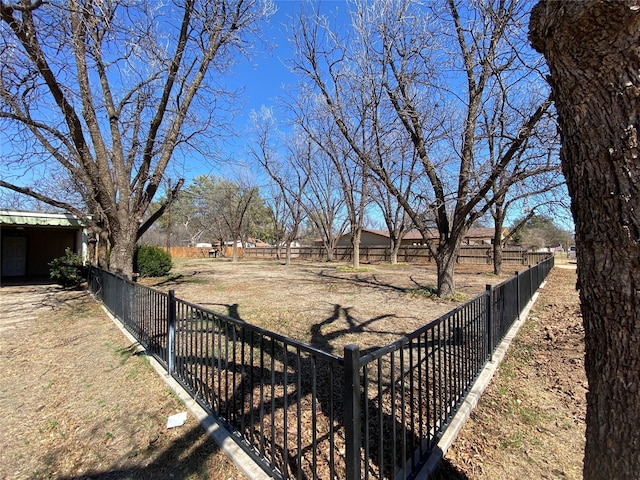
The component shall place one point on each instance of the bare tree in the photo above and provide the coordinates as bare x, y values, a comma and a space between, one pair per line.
400, 60
352, 176
337, 111
323, 199
593, 52
283, 167
533, 176
541, 193
232, 203
486, 53
401, 163
109, 91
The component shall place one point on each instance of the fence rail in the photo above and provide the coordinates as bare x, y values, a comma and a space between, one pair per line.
307, 414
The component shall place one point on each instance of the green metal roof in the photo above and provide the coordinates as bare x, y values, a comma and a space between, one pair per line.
39, 219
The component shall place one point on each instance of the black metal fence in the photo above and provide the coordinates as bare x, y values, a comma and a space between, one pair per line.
307, 414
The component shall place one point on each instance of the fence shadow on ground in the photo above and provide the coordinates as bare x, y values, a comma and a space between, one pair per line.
180, 460
284, 387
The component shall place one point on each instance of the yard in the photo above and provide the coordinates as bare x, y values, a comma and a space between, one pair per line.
76, 402
327, 305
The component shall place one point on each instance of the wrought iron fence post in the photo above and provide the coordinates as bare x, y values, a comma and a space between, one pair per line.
531, 288
352, 411
171, 334
490, 320
518, 303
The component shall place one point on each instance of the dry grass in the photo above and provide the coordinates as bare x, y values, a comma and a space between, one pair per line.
324, 304
76, 402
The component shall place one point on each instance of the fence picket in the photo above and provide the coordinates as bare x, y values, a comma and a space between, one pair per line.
352, 411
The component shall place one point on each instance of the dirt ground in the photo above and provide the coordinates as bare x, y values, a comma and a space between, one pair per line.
77, 403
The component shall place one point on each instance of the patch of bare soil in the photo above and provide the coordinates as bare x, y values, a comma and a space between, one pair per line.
77, 402
530, 421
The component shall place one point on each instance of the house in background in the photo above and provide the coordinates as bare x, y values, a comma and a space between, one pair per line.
380, 238
30, 240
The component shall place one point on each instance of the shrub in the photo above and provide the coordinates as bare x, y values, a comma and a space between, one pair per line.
68, 271
150, 261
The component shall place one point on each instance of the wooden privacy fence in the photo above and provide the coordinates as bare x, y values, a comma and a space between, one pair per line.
476, 255
201, 252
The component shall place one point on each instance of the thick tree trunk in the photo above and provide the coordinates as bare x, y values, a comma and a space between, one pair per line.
355, 243
290, 239
328, 247
445, 263
92, 247
394, 248
497, 256
234, 250
593, 51
103, 249
497, 245
288, 254
121, 255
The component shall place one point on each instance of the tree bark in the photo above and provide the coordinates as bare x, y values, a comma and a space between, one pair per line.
102, 249
394, 248
122, 239
593, 52
329, 249
234, 257
497, 255
355, 243
497, 239
287, 260
446, 256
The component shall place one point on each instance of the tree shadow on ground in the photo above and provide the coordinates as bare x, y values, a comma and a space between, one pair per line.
325, 341
373, 281
240, 396
185, 457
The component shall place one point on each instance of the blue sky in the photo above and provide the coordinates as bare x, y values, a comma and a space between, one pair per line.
264, 77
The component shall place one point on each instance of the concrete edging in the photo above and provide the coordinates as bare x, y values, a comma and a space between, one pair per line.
243, 461
472, 398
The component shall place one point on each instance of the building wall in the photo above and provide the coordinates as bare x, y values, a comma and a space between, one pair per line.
46, 245
43, 244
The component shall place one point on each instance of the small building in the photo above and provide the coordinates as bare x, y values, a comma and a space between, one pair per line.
30, 240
